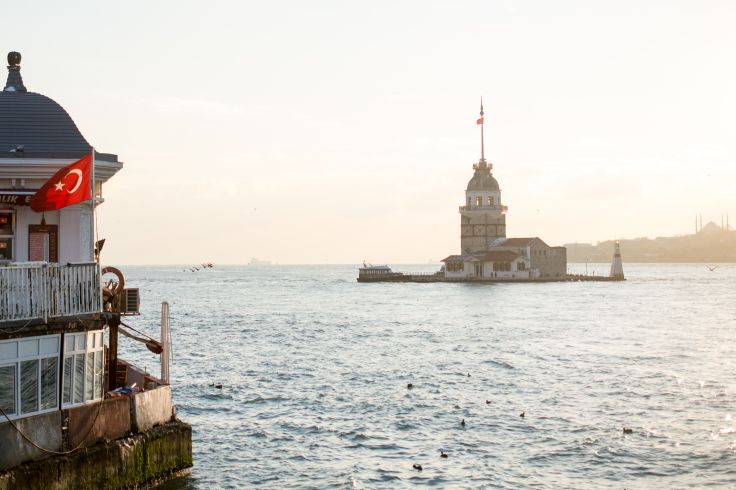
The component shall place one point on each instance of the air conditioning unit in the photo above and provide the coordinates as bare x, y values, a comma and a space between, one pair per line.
130, 302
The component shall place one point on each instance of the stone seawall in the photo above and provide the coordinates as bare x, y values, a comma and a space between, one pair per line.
123, 463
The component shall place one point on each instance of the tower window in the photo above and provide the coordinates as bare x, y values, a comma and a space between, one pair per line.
479, 201
490, 200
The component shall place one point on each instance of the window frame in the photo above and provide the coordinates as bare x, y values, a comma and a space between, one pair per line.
39, 356
94, 344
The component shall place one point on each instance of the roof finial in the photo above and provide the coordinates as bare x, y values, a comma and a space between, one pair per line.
14, 58
15, 81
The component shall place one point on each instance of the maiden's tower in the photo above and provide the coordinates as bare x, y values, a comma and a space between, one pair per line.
486, 252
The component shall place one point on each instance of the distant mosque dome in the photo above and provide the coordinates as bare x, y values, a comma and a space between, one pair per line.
482, 180
33, 124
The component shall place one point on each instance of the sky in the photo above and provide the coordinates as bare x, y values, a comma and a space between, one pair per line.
339, 131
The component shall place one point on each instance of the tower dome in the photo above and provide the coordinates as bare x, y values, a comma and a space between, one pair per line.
32, 124
482, 179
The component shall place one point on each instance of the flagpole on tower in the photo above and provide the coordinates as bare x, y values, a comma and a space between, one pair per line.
482, 143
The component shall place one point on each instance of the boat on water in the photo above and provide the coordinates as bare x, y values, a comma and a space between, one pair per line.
379, 273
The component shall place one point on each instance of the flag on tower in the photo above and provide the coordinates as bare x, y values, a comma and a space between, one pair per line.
70, 185
479, 121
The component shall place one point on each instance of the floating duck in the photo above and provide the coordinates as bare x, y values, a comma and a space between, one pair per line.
417, 467
443, 454
409, 386
522, 414
628, 430
462, 422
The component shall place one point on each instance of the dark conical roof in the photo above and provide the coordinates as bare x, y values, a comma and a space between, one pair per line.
34, 123
482, 179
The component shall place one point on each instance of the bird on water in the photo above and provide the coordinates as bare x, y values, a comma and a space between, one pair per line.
522, 414
443, 454
417, 467
462, 422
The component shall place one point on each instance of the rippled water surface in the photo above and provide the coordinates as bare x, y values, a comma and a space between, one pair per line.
315, 368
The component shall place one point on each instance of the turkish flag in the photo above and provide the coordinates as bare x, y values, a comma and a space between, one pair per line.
68, 186
479, 121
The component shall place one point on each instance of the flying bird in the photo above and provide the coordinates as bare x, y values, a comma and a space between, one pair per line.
712, 268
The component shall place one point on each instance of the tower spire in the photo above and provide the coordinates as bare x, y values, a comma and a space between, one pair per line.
482, 143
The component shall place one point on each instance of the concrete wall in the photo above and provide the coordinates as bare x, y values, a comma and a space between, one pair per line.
44, 430
107, 420
151, 408
125, 463
86, 425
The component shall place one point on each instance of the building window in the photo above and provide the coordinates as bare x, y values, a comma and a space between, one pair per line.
479, 201
521, 266
29, 377
490, 200
83, 377
7, 233
455, 266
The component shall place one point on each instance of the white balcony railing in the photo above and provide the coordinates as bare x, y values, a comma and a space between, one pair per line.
30, 291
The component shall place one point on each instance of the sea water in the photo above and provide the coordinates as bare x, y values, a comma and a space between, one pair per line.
314, 370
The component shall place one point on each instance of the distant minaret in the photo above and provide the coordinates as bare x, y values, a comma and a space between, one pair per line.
482, 217
617, 268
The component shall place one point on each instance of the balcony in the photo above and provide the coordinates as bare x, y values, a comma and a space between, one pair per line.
464, 209
40, 291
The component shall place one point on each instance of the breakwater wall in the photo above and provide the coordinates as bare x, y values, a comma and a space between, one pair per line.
129, 462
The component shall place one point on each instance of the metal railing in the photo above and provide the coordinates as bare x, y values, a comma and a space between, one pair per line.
33, 290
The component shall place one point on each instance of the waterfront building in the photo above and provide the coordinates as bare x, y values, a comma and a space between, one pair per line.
59, 371
486, 252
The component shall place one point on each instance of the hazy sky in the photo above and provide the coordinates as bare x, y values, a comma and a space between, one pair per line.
306, 132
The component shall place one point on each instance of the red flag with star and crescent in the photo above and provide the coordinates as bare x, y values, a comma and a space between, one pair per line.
68, 186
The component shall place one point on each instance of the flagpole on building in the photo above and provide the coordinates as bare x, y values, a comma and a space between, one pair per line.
95, 253
94, 210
